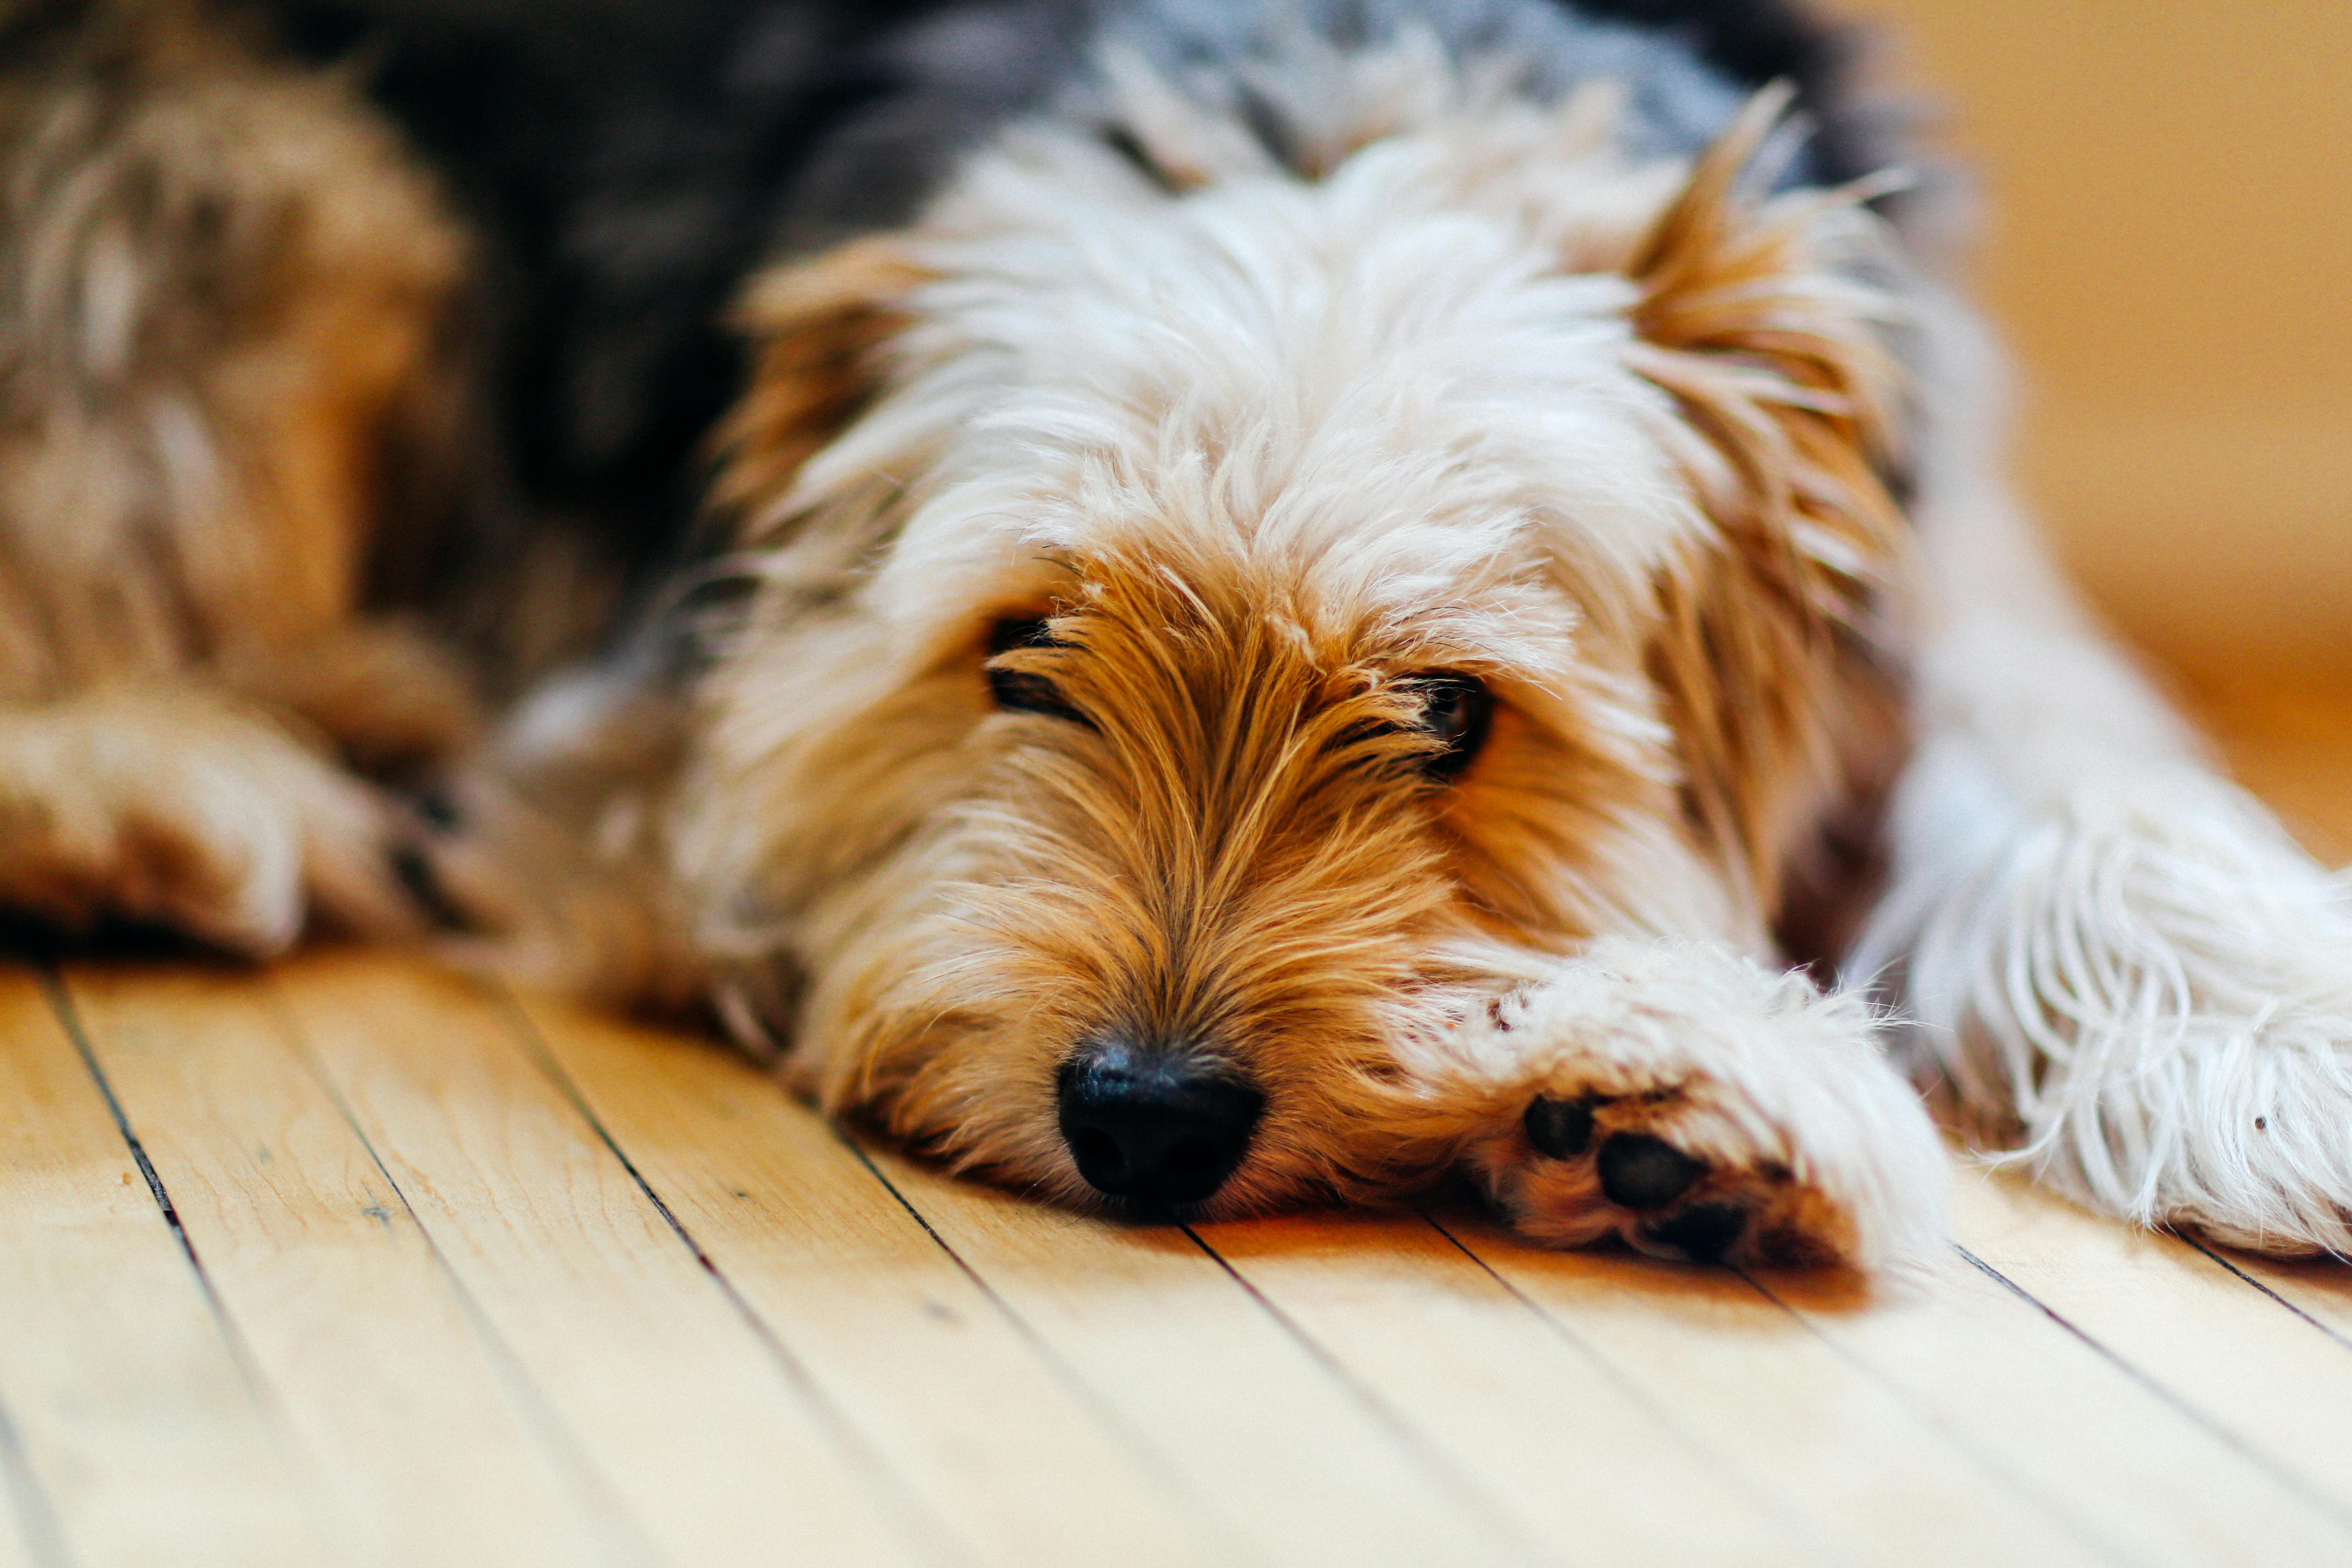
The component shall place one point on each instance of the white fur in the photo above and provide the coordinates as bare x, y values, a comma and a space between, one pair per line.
1725, 1059
1382, 379
2125, 973
1393, 386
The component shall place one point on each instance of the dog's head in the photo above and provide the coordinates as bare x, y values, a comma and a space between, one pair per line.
1216, 626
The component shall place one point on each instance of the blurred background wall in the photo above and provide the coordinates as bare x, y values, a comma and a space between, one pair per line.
2164, 196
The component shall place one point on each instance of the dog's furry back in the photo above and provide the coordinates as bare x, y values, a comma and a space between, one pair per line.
622, 168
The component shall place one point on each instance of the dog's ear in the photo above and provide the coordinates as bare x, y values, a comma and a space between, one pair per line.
817, 327
1757, 318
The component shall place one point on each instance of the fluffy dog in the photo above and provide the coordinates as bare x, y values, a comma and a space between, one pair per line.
1295, 598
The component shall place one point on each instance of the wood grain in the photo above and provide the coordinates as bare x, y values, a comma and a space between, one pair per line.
1002, 1457
140, 1423
1870, 1476
1158, 1329
683, 1438
2059, 1419
2280, 1393
362, 1337
1525, 1418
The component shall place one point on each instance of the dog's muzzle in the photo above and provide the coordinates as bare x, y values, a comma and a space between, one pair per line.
1154, 1124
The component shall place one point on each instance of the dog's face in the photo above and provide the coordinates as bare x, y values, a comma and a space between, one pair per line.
1246, 629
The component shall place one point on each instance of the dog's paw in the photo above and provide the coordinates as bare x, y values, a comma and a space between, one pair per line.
2147, 1000
2254, 1108
1701, 1108
1653, 1164
196, 812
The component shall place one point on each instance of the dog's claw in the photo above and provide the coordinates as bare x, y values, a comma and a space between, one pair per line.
413, 867
437, 809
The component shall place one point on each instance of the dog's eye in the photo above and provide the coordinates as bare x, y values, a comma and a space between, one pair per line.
1021, 690
1456, 711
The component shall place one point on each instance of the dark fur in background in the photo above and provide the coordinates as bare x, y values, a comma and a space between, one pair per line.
622, 165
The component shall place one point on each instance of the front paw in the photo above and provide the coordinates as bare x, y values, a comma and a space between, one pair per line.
1701, 1108
184, 809
1588, 1165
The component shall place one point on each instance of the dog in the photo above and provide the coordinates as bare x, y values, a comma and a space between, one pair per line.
1192, 607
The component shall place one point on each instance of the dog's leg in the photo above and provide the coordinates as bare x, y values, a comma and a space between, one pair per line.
221, 289
178, 806
2127, 973
1697, 1105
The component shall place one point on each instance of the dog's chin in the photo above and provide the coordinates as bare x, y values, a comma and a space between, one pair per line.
1249, 1193
1144, 1212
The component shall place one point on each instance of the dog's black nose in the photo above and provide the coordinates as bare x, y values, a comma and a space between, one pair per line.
1155, 1125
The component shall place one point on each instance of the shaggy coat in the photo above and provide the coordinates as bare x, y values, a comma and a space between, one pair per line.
1294, 598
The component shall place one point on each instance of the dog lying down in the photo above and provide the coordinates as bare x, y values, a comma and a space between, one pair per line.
1275, 600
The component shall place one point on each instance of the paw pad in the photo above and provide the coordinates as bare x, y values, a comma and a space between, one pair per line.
1638, 1172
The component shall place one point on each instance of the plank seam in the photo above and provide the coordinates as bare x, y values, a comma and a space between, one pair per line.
2323, 1328
267, 1405
1156, 1464
248, 1370
1757, 1491
2287, 1479
618, 1532
1487, 1509
1935, 1421
931, 1536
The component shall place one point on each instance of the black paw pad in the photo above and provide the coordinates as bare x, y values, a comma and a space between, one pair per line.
1703, 1232
1561, 1129
1638, 1172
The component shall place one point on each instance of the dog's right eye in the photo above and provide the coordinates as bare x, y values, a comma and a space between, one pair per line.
1456, 712
1021, 690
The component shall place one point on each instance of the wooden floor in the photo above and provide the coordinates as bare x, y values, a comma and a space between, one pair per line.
351, 1262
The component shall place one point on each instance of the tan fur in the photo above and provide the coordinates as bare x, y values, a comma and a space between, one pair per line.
819, 326
932, 907
1774, 635
1235, 872
174, 803
222, 284
1267, 455
1458, 385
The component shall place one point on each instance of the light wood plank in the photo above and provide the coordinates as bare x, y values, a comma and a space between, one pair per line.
699, 1447
2263, 1380
1274, 1443
353, 1319
32, 1538
2058, 1420
1009, 1461
134, 1417
1540, 1427
1869, 1477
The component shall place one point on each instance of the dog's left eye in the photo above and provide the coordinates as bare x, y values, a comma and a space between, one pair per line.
1456, 711
1021, 690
